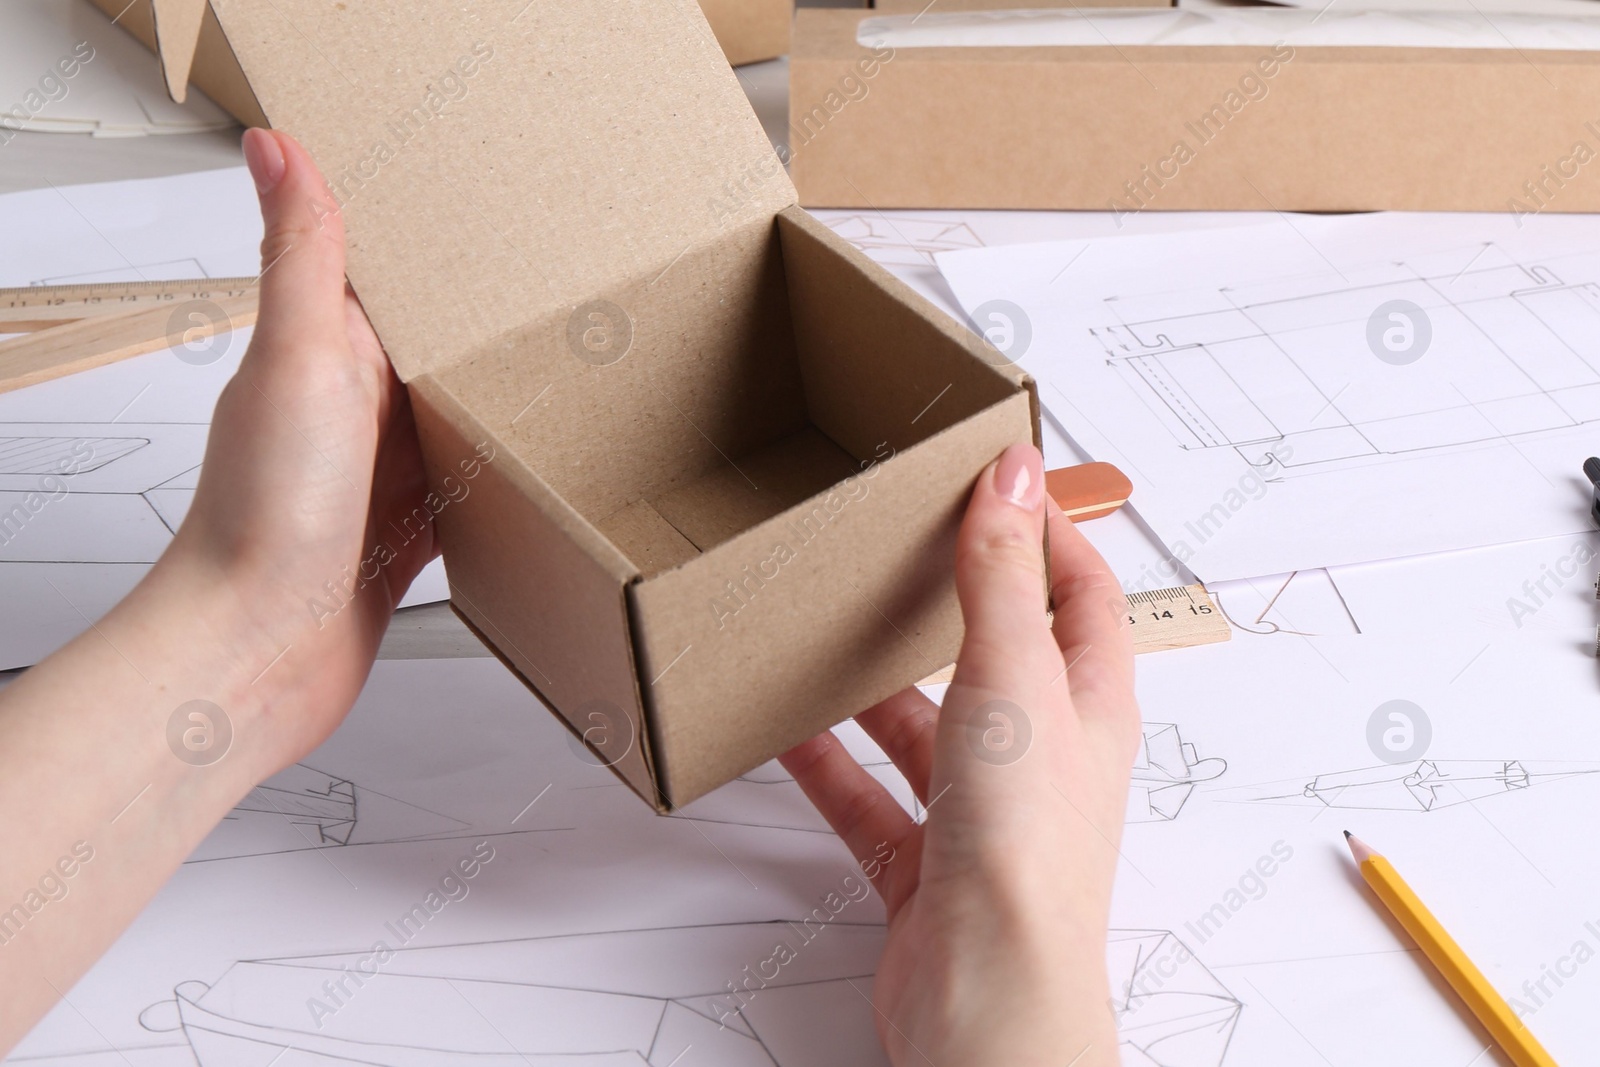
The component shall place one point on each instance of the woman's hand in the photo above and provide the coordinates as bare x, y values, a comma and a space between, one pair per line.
309, 522
998, 902
247, 643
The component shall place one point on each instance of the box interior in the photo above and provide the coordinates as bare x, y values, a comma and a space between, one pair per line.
720, 414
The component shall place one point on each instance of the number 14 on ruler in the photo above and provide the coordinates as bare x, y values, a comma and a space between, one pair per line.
1175, 618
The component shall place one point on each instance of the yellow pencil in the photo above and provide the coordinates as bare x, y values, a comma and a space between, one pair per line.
1441, 949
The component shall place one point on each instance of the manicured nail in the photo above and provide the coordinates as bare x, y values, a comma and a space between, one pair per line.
264, 156
1019, 477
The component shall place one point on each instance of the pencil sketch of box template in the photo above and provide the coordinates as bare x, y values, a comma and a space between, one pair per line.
905, 242
1248, 368
303, 808
1423, 786
1165, 774
632, 998
627, 998
129, 487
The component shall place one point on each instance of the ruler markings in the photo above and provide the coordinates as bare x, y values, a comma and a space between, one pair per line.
1156, 627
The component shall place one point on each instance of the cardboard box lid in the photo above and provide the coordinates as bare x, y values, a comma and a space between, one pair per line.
498, 167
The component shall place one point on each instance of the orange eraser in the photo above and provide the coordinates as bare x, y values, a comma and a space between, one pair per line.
1088, 490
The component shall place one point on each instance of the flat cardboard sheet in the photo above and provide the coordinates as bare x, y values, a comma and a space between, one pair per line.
451, 248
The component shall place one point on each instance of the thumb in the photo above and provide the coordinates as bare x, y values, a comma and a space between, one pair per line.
1000, 577
302, 252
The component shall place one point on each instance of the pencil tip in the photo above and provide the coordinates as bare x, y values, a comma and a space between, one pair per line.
1347, 835
1358, 848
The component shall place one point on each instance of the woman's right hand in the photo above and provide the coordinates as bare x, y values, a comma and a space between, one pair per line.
999, 901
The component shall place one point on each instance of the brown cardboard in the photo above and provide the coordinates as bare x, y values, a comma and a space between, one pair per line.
209, 62
1338, 129
747, 30
750, 30
698, 463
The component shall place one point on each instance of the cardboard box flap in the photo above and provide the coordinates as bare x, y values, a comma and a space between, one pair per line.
498, 167
177, 36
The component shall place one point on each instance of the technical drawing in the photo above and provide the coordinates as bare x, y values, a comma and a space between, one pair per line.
639, 998
769, 797
905, 242
1291, 363
303, 808
1304, 604
1165, 773
127, 487
1426, 785
1171, 1011
608, 999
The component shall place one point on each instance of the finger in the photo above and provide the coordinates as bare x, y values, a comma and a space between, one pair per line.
904, 726
302, 249
860, 810
1000, 577
1091, 623
399, 513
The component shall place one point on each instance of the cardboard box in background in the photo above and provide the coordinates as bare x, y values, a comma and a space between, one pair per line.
750, 30
1097, 128
705, 462
747, 30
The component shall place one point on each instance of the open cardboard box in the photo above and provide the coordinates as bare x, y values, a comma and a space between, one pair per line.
1135, 127
703, 462
748, 31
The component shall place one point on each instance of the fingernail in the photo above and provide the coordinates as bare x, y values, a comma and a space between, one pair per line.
1019, 477
264, 156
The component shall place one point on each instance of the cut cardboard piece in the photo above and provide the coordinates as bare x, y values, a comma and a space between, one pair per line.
186, 36
1132, 128
699, 463
209, 64
177, 28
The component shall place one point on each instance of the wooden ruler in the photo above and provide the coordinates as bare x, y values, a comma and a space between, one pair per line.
1180, 617
69, 328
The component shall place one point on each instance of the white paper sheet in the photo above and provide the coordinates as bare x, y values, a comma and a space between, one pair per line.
597, 932
144, 420
1580, 8
1483, 798
600, 930
1262, 27
65, 68
906, 242
1245, 379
